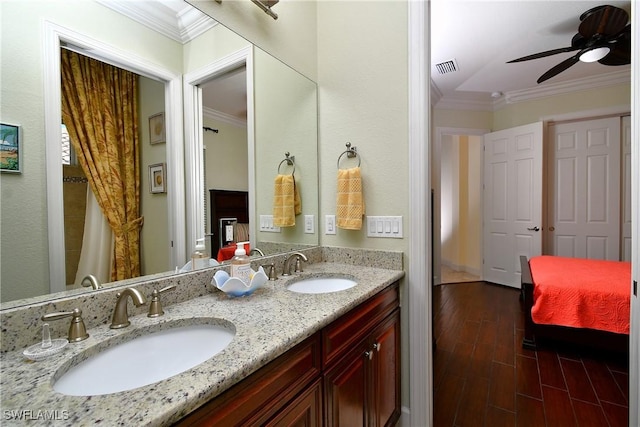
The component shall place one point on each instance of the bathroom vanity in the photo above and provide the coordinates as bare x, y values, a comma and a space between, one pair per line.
306, 359
356, 357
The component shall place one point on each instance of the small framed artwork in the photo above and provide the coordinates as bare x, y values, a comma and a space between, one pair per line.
157, 178
10, 148
156, 129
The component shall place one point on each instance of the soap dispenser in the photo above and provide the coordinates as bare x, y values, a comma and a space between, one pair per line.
199, 257
241, 264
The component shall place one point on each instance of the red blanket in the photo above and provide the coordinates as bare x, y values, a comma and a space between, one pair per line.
581, 293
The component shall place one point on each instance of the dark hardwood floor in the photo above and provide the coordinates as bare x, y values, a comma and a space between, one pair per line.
483, 376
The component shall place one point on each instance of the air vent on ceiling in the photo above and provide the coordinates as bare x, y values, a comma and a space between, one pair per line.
447, 67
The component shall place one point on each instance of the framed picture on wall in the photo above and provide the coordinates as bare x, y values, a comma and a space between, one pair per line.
157, 178
10, 148
156, 129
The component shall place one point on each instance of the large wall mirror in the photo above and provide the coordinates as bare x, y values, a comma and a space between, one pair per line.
279, 115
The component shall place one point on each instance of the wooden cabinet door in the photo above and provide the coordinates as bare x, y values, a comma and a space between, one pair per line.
386, 372
346, 390
304, 411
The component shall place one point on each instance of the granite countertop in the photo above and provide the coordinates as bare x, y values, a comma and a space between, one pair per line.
267, 324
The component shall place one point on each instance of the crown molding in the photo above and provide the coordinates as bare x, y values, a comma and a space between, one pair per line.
577, 85
180, 23
513, 97
223, 117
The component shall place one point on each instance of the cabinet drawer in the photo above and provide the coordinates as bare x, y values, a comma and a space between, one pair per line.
263, 393
351, 328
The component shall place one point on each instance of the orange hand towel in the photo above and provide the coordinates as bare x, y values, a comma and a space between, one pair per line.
350, 203
286, 201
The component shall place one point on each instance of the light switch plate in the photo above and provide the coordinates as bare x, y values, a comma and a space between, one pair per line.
329, 224
384, 226
266, 224
309, 221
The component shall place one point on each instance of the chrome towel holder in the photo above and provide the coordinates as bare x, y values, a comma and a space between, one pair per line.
351, 152
290, 160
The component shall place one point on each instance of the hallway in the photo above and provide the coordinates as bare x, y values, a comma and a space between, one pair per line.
483, 377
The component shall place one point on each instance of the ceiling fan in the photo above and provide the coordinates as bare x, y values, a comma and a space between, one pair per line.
603, 36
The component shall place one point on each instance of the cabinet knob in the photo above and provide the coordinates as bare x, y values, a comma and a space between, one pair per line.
368, 354
377, 346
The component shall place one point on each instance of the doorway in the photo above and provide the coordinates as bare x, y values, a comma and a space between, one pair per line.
55, 37
457, 183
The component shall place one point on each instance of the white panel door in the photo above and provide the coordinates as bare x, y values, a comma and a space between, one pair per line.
626, 189
512, 201
584, 189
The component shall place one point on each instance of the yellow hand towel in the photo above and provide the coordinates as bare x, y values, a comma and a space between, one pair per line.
350, 203
286, 201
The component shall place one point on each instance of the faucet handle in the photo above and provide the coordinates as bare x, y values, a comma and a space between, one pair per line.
155, 306
271, 271
298, 266
77, 329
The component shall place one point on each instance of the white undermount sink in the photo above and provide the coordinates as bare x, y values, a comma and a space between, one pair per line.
145, 360
320, 285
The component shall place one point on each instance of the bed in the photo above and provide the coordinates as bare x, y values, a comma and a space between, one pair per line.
576, 301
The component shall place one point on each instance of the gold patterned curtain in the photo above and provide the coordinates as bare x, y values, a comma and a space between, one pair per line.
99, 108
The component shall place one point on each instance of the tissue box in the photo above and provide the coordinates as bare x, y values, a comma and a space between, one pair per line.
237, 288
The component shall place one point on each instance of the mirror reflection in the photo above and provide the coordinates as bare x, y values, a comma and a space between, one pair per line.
36, 248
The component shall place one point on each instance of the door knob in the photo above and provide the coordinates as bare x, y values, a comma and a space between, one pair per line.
552, 229
536, 228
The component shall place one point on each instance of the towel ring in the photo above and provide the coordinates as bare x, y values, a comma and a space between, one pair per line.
351, 152
290, 160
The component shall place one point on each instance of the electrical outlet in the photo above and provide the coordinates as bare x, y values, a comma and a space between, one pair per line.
309, 224
329, 224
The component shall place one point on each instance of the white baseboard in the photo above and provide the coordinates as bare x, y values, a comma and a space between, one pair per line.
463, 268
405, 417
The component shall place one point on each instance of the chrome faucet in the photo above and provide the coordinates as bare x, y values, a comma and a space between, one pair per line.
256, 250
77, 330
271, 271
297, 257
120, 317
92, 281
155, 306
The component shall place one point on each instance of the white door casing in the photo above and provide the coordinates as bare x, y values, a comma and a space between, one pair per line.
584, 189
512, 201
634, 344
625, 244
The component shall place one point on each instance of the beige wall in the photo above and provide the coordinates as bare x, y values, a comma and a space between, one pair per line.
363, 93
467, 119
292, 38
225, 157
154, 236
210, 46
363, 99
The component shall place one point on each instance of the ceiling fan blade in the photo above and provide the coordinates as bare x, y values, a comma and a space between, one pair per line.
620, 49
544, 54
604, 20
619, 55
559, 68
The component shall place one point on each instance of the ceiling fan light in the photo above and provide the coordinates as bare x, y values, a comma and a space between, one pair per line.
595, 54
